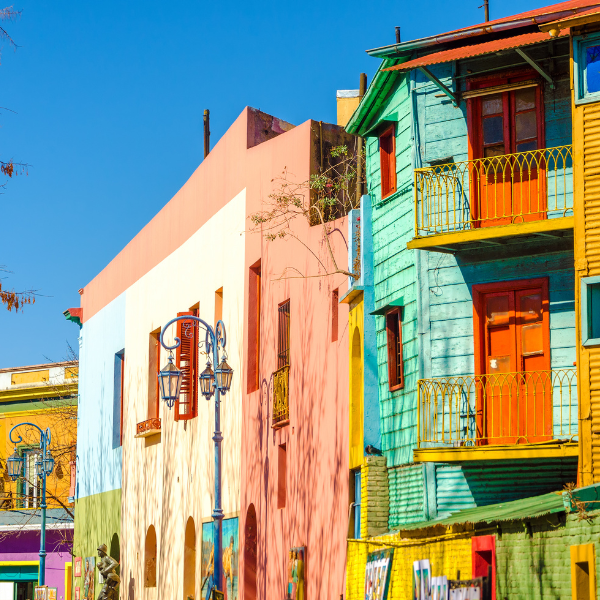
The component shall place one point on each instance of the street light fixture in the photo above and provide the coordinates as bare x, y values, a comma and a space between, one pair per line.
211, 383
43, 468
169, 380
14, 465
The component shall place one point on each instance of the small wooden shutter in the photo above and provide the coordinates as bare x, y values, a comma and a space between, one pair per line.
393, 322
186, 357
387, 156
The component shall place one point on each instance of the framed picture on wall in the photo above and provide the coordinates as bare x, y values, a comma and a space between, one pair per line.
52, 593
77, 593
78, 566
41, 592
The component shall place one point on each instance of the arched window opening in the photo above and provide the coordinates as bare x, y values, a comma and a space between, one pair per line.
250, 551
150, 558
189, 561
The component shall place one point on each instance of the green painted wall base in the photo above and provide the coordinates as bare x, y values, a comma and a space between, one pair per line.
97, 521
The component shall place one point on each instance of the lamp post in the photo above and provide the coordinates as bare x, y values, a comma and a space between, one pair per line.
217, 383
43, 467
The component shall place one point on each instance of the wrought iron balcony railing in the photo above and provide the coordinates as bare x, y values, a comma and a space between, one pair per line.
281, 396
498, 409
499, 190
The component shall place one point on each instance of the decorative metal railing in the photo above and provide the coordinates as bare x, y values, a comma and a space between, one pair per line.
498, 409
500, 190
281, 396
150, 425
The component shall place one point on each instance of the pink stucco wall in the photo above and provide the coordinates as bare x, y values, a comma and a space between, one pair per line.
316, 511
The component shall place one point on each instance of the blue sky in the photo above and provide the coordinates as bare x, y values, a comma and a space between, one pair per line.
109, 99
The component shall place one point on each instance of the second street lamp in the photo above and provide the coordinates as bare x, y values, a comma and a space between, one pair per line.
217, 383
44, 466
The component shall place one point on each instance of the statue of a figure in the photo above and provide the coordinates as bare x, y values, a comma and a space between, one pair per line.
106, 566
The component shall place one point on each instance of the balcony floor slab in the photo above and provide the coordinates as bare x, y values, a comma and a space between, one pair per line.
555, 449
549, 232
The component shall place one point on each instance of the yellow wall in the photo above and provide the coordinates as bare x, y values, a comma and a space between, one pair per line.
446, 557
20, 378
356, 320
169, 477
345, 109
586, 202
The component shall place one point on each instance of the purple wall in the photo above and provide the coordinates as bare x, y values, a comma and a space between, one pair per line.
25, 545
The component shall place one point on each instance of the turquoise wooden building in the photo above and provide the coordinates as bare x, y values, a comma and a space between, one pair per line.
469, 174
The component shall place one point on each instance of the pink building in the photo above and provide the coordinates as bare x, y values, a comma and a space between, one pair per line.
294, 505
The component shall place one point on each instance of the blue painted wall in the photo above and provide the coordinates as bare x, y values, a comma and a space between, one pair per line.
99, 462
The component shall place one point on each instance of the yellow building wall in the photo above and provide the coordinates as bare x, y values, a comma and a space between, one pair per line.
586, 207
356, 321
445, 555
61, 418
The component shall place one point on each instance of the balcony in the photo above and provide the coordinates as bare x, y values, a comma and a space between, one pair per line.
501, 415
148, 428
281, 398
496, 201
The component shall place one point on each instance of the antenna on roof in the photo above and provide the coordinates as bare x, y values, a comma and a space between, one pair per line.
486, 8
398, 34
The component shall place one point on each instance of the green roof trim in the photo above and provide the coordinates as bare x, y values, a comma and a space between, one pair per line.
387, 307
365, 115
517, 510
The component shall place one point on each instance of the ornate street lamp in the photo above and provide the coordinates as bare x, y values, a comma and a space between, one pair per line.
169, 379
14, 465
207, 382
44, 466
211, 383
224, 375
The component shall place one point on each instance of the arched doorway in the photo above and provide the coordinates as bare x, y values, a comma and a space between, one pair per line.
115, 551
250, 551
189, 560
150, 558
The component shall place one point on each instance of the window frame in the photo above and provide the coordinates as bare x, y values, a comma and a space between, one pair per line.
193, 367
254, 314
281, 350
391, 164
586, 308
580, 45
508, 81
394, 340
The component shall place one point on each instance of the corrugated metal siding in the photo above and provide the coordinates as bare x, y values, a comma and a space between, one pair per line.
461, 486
591, 198
407, 504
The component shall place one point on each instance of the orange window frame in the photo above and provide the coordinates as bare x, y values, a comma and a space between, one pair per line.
393, 328
387, 158
479, 292
474, 116
187, 332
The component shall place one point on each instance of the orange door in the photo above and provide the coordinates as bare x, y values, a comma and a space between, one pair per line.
528, 167
509, 189
515, 391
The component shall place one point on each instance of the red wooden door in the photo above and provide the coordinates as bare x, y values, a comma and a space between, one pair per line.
515, 392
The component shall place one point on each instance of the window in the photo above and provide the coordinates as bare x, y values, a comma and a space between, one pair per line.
583, 572
150, 552
335, 298
30, 487
283, 335
484, 558
118, 396
355, 488
153, 370
393, 325
387, 157
218, 305
254, 275
587, 69
281, 476
512, 356
590, 311
186, 357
